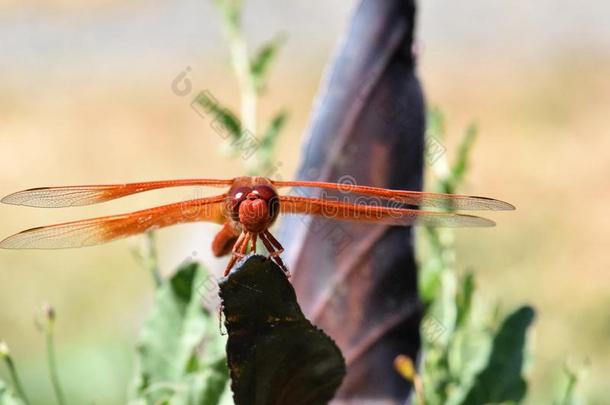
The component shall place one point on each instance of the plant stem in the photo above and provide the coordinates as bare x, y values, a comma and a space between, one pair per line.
249, 95
419, 389
16, 380
240, 62
572, 381
50, 341
241, 67
151, 260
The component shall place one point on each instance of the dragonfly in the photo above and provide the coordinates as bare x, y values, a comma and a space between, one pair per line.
245, 211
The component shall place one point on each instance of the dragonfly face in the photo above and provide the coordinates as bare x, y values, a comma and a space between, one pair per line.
252, 204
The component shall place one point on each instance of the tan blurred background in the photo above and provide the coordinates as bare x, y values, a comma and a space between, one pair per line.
85, 97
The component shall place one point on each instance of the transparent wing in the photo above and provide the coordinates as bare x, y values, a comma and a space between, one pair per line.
417, 198
105, 229
69, 196
378, 214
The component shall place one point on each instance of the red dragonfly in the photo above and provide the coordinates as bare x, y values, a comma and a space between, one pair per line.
246, 211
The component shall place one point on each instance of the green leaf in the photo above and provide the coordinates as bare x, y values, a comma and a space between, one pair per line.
259, 66
272, 132
7, 396
262, 161
435, 123
180, 352
464, 298
270, 137
468, 354
225, 122
231, 12
501, 379
460, 167
275, 354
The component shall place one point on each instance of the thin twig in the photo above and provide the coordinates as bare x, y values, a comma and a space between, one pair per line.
146, 255
49, 329
12, 369
152, 258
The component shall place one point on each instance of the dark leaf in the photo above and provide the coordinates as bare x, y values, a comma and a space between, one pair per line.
276, 356
501, 379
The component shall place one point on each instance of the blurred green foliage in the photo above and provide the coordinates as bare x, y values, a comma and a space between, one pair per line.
567, 391
472, 352
260, 63
8, 397
180, 353
252, 73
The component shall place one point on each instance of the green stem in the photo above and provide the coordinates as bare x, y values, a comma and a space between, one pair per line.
151, 259
16, 380
53, 364
570, 386
242, 68
248, 92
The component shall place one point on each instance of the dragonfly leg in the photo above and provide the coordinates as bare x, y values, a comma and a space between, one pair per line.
243, 249
274, 254
254, 237
236, 253
238, 245
278, 246
230, 265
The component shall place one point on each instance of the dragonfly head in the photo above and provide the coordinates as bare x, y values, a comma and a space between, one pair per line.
254, 205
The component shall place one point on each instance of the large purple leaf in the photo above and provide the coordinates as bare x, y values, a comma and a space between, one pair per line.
358, 282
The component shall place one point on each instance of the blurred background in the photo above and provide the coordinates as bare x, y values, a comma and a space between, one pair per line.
86, 97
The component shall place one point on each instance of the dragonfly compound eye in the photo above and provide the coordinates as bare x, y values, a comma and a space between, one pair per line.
234, 200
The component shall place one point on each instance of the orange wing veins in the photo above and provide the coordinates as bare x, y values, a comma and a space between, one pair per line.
105, 229
418, 198
378, 214
69, 196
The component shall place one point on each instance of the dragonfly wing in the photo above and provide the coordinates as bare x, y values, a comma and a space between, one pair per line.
69, 196
378, 214
421, 199
105, 229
